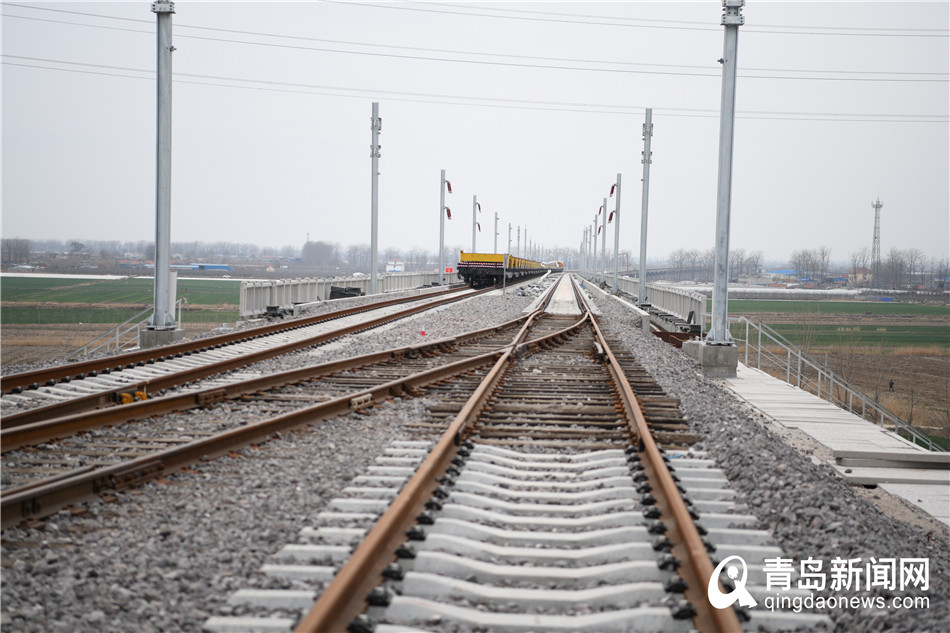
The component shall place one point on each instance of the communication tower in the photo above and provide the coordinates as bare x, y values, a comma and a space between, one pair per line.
876, 243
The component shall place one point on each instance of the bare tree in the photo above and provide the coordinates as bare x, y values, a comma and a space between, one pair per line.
754, 262
942, 411
288, 251
915, 266
417, 258
859, 260
15, 251
878, 371
895, 268
939, 272
913, 398
737, 261
707, 259
357, 256
822, 257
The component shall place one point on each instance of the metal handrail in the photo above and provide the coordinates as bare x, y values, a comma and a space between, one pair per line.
848, 396
114, 336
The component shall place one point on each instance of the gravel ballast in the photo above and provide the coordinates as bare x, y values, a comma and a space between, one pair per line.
809, 509
167, 556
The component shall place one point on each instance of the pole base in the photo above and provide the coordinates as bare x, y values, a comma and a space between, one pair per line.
717, 361
157, 338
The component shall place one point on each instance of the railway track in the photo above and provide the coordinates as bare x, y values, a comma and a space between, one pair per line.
56, 462
53, 392
545, 504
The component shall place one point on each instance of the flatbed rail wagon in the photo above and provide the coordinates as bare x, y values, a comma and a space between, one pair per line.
487, 269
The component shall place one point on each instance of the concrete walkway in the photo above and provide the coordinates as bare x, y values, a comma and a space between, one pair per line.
563, 301
864, 453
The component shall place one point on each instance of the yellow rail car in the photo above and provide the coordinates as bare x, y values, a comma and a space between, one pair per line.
487, 269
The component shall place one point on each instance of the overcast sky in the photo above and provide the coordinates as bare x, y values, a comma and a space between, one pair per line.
533, 107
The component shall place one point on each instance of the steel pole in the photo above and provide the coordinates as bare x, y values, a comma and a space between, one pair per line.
594, 240
591, 259
376, 126
603, 246
582, 251
496, 233
442, 231
504, 277
731, 19
162, 317
474, 221
647, 160
616, 288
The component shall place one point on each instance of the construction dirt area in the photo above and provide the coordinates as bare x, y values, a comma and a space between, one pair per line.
23, 344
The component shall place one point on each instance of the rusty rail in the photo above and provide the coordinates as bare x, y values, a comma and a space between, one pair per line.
72, 370
43, 498
107, 397
46, 430
688, 546
345, 597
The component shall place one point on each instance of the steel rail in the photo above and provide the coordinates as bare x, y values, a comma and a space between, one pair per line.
46, 430
345, 597
73, 370
44, 498
102, 399
696, 568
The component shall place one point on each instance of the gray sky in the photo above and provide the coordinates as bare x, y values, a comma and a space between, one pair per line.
534, 107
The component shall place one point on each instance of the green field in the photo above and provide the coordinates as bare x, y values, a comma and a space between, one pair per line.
98, 293
877, 308
11, 315
130, 290
834, 322
863, 335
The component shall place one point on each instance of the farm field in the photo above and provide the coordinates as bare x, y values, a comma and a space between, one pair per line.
875, 308
44, 318
132, 290
870, 344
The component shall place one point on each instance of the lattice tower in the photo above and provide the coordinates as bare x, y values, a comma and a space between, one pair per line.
876, 243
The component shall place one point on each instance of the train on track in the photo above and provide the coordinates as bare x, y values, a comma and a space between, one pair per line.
487, 269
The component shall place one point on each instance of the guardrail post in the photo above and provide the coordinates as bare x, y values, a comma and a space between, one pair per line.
759, 351
747, 342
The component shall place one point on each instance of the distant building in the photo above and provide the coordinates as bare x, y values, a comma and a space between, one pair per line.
781, 275
859, 276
